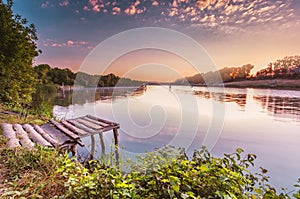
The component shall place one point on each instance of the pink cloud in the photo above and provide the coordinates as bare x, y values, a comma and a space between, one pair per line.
139, 11
57, 45
83, 43
86, 8
131, 10
70, 43
96, 8
116, 10
64, 3
155, 3
93, 2
174, 4
45, 4
137, 3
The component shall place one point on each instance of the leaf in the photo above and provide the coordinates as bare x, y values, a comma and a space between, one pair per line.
239, 150
204, 168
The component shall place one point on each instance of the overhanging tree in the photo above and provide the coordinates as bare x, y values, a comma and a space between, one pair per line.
17, 51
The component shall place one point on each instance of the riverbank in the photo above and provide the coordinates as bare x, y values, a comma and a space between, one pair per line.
286, 84
172, 175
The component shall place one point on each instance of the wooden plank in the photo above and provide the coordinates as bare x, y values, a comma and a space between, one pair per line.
59, 137
64, 130
102, 124
35, 136
108, 128
89, 130
101, 120
23, 136
10, 134
8, 131
73, 128
110, 125
83, 127
46, 136
13, 143
89, 124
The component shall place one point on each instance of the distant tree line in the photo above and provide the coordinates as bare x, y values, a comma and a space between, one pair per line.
227, 74
58, 77
288, 67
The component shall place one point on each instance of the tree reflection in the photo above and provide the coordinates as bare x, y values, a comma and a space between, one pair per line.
284, 107
87, 95
239, 99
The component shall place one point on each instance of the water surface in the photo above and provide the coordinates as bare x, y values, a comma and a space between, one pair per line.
261, 121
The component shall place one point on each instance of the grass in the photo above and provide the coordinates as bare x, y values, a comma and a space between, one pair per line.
24, 173
13, 116
30, 174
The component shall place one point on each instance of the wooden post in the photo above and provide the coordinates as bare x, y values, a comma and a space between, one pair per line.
116, 135
73, 149
102, 144
92, 153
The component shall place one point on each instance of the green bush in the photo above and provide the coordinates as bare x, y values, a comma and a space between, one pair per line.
164, 173
160, 175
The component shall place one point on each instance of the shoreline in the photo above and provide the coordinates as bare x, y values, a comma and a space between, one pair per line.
276, 84
279, 84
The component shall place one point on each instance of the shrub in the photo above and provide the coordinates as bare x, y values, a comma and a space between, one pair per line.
158, 175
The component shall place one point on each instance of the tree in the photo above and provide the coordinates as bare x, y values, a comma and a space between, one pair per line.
62, 76
17, 51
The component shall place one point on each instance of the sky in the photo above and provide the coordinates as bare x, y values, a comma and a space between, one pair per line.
232, 33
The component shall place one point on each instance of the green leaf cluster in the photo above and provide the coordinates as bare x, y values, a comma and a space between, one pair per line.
17, 51
161, 174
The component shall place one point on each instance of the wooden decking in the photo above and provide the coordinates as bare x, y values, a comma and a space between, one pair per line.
63, 134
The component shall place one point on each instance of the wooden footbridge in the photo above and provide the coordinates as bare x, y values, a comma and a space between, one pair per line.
64, 134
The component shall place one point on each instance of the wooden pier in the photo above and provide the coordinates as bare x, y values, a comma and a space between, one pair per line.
60, 134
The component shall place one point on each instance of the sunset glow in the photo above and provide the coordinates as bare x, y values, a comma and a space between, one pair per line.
233, 32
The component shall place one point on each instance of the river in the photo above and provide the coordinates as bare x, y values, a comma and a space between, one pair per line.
261, 121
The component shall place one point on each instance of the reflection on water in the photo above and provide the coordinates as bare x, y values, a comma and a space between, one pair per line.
238, 98
283, 107
277, 106
181, 116
86, 95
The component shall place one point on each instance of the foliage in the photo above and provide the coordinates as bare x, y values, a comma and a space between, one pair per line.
110, 80
297, 195
288, 67
158, 175
226, 74
31, 173
41, 102
61, 76
12, 115
164, 173
17, 50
